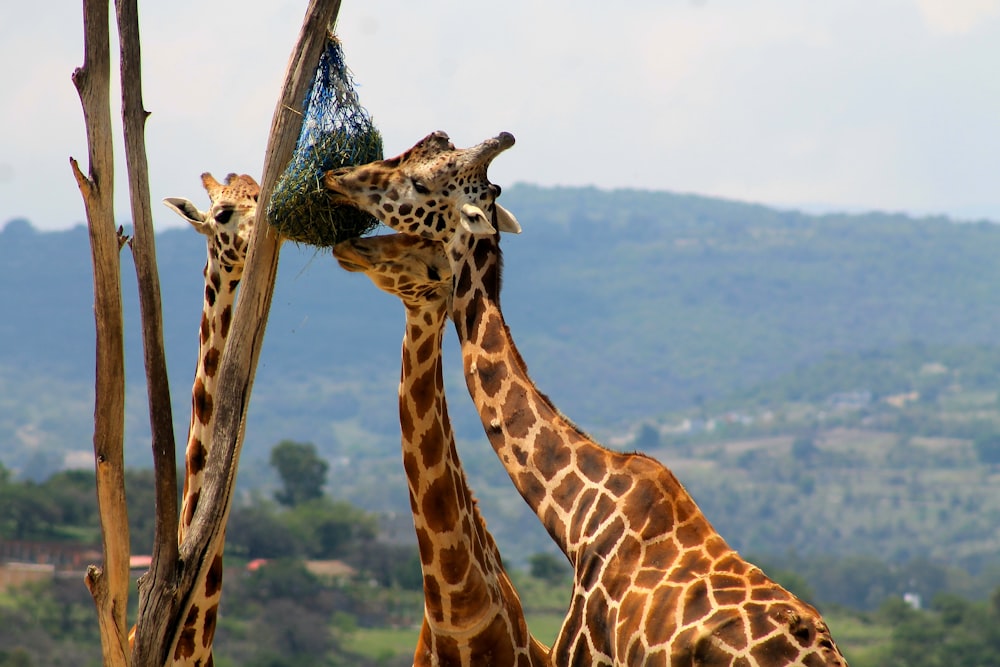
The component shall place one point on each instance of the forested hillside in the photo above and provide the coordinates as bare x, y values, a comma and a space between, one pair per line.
631, 309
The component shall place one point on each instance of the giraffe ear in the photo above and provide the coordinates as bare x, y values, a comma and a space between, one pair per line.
506, 221
474, 220
185, 209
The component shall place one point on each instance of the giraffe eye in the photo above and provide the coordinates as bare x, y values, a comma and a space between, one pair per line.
223, 216
433, 274
421, 188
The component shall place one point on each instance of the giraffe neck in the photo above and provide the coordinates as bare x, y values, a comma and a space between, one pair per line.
643, 554
193, 643
470, 603
574, 485
217, 314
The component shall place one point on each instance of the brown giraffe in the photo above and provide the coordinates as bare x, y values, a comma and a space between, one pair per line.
227, 226
654, 583
472, 613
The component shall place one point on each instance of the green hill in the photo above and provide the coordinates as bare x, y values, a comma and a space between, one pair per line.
629, 307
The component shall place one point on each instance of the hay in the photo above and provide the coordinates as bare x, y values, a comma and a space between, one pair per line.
336, 132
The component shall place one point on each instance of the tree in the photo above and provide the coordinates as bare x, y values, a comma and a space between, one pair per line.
302, 472
648, 437
548, 568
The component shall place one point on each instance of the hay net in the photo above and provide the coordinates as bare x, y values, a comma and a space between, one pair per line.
336, 132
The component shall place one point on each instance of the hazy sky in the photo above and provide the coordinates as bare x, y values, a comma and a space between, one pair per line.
853, 104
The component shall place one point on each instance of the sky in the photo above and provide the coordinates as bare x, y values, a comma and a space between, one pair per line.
851, 105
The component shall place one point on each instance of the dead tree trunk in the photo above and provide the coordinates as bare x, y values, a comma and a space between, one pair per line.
164, 592
239, 360
108, 584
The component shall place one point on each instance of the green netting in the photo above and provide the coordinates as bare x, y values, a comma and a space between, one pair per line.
336, 132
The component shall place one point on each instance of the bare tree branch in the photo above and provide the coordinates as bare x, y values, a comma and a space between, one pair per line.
108, 584
239, 360
161, 580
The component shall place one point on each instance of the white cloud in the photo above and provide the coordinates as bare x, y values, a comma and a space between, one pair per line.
854, 102
956, 17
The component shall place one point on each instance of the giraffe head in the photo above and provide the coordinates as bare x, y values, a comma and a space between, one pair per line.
423, 191
412, 268
228, 223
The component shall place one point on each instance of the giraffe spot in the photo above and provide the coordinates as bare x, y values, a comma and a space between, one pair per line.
551, 455
636, 653
691, 535
494, 641
646, 577
493, 339
209, 295
600, 617
617, 485
635, 507
730, 597
567, 491
775, 649
195, 456
406, 424
185, 641
690, 565
462, 286
432, 599
404, 209
202, 402
581, 652
660, 555
190, 505
724, 581
422, 393
761, 624
696, 604
211, 361
226, 318
492, 376
491, 276
590, 461
426, 547
211, 616
213, 580
454, 563
768, 593
518, 420
216, 280
437, 506
612, 531
446, 650
573, 624
716, 547
583, 504
431, 446
531, 488
206, 328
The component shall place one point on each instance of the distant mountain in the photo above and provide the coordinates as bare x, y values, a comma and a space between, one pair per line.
626, 305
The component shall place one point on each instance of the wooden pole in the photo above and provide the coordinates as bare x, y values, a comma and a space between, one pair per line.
108, 584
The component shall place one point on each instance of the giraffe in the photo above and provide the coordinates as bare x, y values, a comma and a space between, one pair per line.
472, 613
227, 226
654, 583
